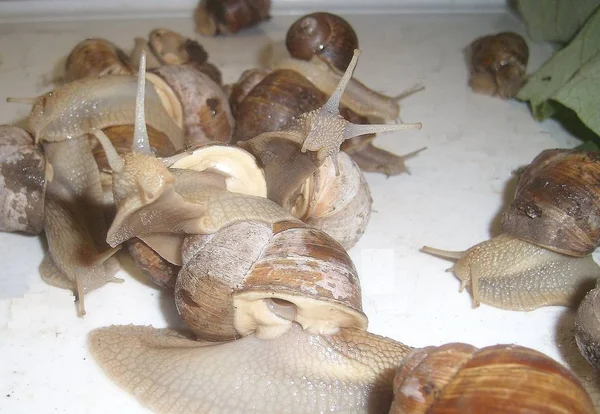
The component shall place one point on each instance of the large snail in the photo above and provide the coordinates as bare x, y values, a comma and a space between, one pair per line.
458, 378
549, 230
498, 64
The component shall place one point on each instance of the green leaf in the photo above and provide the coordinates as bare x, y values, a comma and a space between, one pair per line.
555, 20
588, 146
571, 77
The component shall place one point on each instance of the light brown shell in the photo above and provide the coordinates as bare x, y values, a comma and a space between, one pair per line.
251, 264
96, 57
206, 113
459, 378
557, 203
22, 182
498, 64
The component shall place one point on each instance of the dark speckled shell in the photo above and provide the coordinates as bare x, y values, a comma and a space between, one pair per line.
557, 203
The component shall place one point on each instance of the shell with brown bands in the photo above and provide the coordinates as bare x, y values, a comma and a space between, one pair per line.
459, 378
587, 327
498, 64
96, 57
325, 35
557, 203
261, 279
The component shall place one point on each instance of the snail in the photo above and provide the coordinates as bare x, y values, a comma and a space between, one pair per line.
498, 64
23, 172
264, 102
543, 255
166, 47
325, 35
587, 327
250, 272
304, 182
96, 57
460, 378
229, 16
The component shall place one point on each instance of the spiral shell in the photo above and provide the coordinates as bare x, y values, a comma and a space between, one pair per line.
229, 16
498, 64
22, 182
96, 57
325, 35
587, 327
250, 277
557, 203
459, 378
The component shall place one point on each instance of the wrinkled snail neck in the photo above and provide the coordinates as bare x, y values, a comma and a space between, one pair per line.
323, 130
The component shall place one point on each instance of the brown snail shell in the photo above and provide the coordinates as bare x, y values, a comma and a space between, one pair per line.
96, 57
274, 102
556, 204
157, 269
587, 327
542, 258
459, 378
240, 90
22, 182
229, 16
205, 106
498, 64
325, 35
289, 272
173, 48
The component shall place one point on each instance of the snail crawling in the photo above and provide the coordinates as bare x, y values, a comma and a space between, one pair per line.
543, 257
264, 100
274, 305
188, 85
214, 17
498, 64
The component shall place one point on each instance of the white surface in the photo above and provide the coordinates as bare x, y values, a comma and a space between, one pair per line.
452, 199
60, 10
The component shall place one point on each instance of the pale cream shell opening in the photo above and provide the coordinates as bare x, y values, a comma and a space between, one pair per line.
168, 98
243, 174
257, 312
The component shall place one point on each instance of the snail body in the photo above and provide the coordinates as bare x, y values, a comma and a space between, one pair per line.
542, 258
459, 378
498, 64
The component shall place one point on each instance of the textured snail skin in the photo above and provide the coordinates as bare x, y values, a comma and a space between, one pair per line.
498, 64
351, 371
325, 35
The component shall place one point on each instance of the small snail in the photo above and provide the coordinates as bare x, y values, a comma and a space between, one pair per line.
166, 47
587, 327
325, 35
543, 256
96, 57
23, 172
498, 64
459, 378
229, 16
264, 102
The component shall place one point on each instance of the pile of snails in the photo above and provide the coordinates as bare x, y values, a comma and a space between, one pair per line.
250, 231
